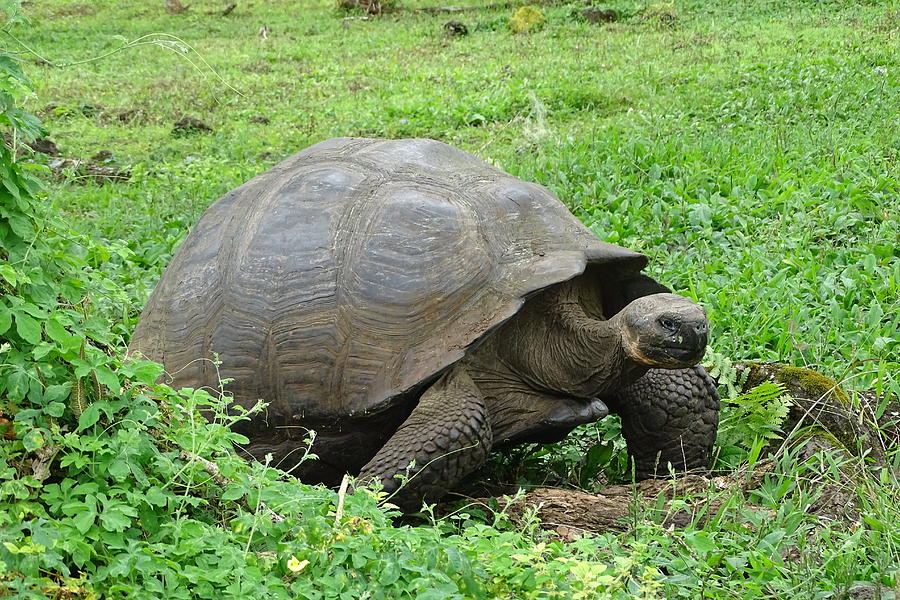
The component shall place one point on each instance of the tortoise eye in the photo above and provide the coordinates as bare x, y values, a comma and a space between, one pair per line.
667, 324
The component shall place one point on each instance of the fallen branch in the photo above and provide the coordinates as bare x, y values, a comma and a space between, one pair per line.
211, 468
571, 512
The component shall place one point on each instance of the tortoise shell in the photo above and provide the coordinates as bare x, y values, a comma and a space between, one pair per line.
355, 272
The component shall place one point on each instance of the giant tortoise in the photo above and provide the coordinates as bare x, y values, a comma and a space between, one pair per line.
417, 308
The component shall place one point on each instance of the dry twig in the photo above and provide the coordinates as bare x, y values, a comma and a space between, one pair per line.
212, 469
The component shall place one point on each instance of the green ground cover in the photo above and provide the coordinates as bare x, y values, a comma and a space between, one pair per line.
750, 148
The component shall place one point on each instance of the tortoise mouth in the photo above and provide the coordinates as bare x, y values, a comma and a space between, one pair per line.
683, 349
688, 356
667, 356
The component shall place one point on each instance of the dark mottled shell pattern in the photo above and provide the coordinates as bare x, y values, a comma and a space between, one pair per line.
356, 270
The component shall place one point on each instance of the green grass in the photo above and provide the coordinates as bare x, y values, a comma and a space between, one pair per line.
750, 148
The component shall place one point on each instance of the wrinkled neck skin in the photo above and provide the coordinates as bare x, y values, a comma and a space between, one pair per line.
554, 347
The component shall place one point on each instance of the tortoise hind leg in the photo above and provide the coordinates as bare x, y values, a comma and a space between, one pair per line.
668, 417
447, 436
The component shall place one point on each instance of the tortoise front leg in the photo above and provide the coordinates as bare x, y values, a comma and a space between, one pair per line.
531, 417
669, 417
447, 436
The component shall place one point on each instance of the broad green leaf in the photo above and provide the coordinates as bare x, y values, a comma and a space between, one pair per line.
57, 392
119, 469
234, 492
17, 384
56, 331
9, 273
773, 539
89, 417
390, 574
15, 488
87, 489
155, 496
107, 378
55, 409
736, 562
28, 328
84, 520
598, 455
700, 542
32, 309
875, 315
21, 226
33, 440
5, 318
143, 371
81, 552
8, 65
41, 350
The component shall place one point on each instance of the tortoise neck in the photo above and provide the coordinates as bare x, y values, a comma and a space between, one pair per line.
552, 345
590, 352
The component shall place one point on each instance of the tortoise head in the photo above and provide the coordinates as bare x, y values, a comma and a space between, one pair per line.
665, 331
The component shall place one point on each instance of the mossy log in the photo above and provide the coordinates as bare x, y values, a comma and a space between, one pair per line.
818, 403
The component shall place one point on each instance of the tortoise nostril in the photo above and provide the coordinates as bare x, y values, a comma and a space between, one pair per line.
701, 328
